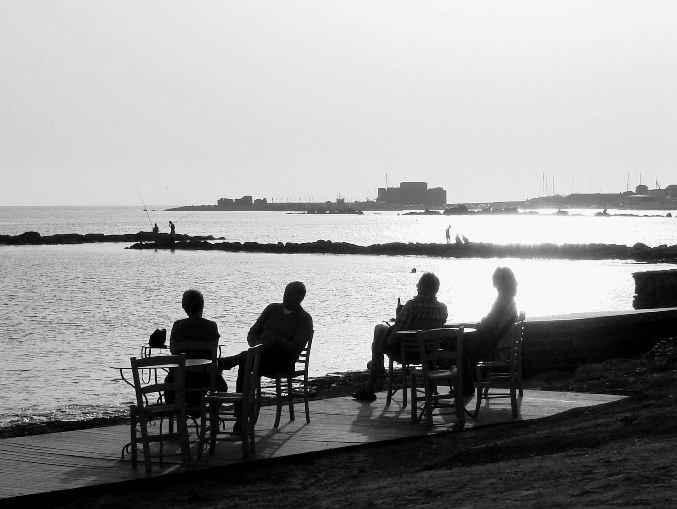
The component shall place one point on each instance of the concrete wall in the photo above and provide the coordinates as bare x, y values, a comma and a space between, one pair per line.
567, 342
655, 289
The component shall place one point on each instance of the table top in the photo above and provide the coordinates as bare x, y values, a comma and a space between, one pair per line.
189, 363
445, 326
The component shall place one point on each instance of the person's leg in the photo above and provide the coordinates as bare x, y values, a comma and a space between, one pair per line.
375, 365
377, 351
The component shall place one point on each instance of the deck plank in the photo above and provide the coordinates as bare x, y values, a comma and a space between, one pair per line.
59, 461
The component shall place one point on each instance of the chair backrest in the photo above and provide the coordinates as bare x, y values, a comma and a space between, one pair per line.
409, 353
511, 343
196, 385
251, 372
441, 349
160, 387
304, 357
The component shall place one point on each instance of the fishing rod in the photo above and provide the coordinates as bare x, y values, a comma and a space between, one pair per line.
184, 217
144, 203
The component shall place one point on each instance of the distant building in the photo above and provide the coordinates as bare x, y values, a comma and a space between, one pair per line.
413, 193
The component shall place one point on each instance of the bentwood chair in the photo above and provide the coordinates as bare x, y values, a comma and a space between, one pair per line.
220, 408
441, 353
409, 356
296, 380
505, 366
151, 406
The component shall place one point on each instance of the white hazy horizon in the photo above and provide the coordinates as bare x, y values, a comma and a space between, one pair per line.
307, 100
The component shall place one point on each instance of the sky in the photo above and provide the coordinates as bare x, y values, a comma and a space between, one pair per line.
182, 103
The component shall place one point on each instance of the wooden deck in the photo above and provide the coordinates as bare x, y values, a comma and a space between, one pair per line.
86, 458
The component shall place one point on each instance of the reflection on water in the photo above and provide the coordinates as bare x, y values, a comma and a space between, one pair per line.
71, 312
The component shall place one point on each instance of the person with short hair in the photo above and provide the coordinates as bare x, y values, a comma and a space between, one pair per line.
199, 330
422, 312
283, 329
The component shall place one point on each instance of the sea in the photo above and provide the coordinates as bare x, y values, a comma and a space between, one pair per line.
71, 314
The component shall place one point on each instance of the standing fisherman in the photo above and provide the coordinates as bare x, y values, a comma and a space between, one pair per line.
156, 231
172, 231
448, 236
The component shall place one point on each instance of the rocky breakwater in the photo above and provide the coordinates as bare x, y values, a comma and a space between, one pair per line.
34, 238
638, 252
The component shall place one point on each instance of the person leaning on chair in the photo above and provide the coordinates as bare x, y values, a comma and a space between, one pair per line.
194, 329
491, 329
283, 329
422, 312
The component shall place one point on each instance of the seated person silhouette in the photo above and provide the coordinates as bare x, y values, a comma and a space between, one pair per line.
491, 329
194, 329
422, 312
283, 329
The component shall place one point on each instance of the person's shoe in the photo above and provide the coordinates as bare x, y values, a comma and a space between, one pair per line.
364, 395
383, 369
237, 427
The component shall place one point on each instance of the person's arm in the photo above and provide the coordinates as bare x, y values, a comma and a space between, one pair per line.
402, 322
258, 334
173, 338
303, 333
254, 336
215, 333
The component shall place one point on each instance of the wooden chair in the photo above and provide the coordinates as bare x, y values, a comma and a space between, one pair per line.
219, 408
196, 385
505, 366
409, 356
294, 383
151, 406
441, 353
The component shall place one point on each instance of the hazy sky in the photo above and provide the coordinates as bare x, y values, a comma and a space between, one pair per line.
194, 101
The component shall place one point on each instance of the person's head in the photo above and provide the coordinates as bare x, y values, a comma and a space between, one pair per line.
193, 302
504, 281
429, 284
294, 294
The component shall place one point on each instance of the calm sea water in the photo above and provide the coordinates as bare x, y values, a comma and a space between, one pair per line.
71, 312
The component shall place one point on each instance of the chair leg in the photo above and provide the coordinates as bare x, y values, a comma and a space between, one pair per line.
389, 397
252, 437
414, 401
203, 428
258, 400
305, 399
146, 444
133, 447
487, 382
182, 428
213, 427
278, 399
246, 422
290, 396
478, 396
404, 385
458, 402
513, 392
429, 404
